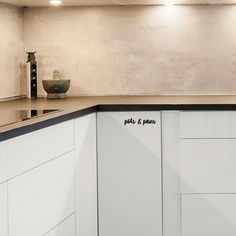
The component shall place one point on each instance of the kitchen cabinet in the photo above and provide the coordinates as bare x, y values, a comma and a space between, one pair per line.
66, 228
86, 175
42, 198
129, 173
207, 170
208, 214
3, 161
36, 148
3, 210
122, 173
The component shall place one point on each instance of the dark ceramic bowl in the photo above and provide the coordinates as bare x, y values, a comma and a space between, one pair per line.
56, 88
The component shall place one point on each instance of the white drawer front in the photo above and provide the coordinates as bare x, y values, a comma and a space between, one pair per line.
3, 161
3, 210
33, 149
208, 124
209, 215
66, 228
42, 198
208, 165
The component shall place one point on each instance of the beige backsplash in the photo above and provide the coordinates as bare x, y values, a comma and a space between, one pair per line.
11, 50
135, 49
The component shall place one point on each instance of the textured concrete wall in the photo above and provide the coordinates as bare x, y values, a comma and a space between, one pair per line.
136, 50
11, 50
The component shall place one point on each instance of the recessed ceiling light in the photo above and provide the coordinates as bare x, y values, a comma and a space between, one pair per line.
169, 2
55, 2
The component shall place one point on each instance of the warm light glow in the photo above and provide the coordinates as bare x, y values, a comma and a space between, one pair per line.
55, 2
169, 2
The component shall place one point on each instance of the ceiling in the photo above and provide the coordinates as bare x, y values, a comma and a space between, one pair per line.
113, 2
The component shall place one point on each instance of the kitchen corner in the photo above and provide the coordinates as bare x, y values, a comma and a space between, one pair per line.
136, 134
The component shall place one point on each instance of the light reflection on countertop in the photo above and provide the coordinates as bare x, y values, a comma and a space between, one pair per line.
9, 117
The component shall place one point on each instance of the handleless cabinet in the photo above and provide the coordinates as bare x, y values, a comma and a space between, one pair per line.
136, 173
207, 170
36, 148
207, 152
42, 198
129, 173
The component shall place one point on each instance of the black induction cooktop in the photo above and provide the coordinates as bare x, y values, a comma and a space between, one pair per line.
8, 117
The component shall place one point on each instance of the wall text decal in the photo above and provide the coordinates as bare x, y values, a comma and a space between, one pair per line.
132, 121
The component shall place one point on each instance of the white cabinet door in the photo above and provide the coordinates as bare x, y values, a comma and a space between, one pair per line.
129, 170
86, 176
3, 210
42, 198
208, 215
208, 165
33, 149
66, 228
3, 161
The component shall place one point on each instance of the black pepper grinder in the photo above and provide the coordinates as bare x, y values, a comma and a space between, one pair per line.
31, 76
